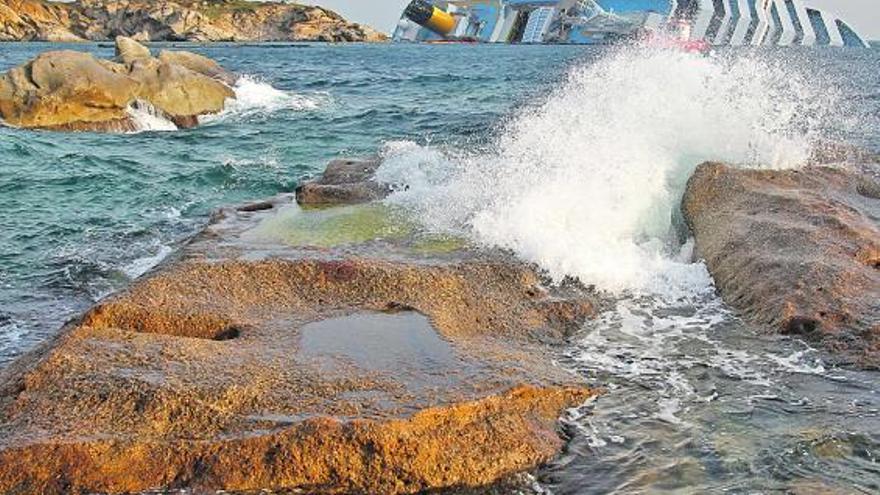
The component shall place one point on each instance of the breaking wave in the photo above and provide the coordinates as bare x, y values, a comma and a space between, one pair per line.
147, 118
587, 183
256, 97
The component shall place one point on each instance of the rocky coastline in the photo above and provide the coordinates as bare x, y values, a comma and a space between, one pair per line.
179, 20
277, 351
322, 342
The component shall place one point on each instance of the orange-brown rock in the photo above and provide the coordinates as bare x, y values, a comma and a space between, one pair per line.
68, 90
178, 20
128, 50
198, 63
177, 91
797, 250
263, 358
64, 88
28, 20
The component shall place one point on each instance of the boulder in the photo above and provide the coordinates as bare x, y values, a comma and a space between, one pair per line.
179, 92
260, 360
349, 181
795, 250
65, 90
198, 63
129, 50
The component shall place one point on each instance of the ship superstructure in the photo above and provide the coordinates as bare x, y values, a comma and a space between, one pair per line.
718, 22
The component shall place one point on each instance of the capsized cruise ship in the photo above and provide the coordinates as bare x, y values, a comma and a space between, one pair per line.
717, 22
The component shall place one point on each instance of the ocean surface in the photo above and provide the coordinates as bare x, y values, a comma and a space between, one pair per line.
573, 158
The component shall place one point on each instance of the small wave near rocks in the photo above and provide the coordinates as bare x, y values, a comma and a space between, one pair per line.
253, 98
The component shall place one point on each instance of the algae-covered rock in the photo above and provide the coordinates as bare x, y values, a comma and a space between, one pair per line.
796, 250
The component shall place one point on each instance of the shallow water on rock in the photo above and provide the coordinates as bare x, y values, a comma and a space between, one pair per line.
331, 227
383, 342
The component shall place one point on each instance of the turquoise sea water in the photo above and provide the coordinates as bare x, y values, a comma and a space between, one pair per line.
698, 402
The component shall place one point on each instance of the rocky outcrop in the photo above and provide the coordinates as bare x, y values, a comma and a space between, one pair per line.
180, 20
344, 182
797, 250
68, 90
198, 63
24, 20
261, 358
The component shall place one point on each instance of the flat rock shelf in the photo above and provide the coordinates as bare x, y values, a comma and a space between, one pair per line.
284, 349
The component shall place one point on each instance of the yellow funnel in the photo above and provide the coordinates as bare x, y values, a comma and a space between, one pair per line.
424, 14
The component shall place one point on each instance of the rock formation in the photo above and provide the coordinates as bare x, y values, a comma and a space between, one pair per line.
344, 182
68, 90
797, 250
257, 360
179, 20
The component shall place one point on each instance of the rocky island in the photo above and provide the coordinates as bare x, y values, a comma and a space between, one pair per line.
74, 91
179, 20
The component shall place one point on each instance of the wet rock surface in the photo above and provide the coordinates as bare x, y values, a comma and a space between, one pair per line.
69, 90
180, 20
260, 358
796, 250
348, 181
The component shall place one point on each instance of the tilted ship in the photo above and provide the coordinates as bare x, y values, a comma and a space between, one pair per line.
715, 22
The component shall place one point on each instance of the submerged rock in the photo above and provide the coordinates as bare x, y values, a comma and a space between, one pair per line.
260, 360
797, 250
180, 20
68, 90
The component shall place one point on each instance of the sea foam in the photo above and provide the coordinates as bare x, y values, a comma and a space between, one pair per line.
146, 117
587, 183
256, 97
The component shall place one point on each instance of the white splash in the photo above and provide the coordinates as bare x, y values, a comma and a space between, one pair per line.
11, 337
148, 118
141, 266
256, 97
587, 184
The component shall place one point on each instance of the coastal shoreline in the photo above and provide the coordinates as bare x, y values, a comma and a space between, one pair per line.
478, 406
340, 314
181, 20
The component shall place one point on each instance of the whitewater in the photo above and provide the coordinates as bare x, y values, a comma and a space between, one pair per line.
253, 98
587, 183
